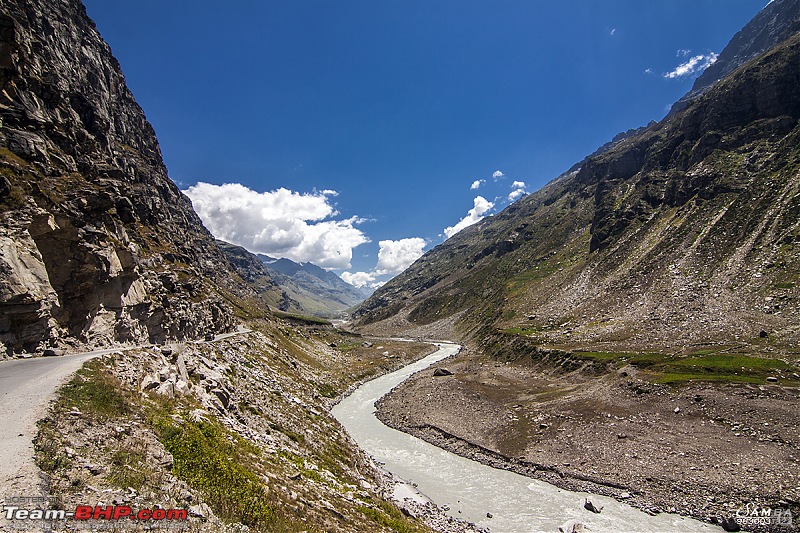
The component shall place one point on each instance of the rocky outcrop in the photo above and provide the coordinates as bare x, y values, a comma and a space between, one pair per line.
98, 244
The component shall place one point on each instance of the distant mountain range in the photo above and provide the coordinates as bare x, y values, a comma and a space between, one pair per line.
295, 287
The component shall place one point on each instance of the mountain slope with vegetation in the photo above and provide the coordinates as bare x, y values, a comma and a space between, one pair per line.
632, 328
685, 232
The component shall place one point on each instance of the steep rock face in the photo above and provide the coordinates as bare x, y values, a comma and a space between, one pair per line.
98, 245
685, 232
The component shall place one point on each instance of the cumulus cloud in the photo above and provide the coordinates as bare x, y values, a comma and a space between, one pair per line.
476, 214
280, 223
476, 184
517, 192
393, 258
360, 279
396, 256
694, 65
497, 175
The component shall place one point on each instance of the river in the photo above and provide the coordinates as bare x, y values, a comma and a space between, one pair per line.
518, 504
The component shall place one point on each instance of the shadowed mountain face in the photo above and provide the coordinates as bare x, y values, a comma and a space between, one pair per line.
98, 245
685, 232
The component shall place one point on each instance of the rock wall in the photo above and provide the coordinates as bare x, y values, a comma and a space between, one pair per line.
98, 244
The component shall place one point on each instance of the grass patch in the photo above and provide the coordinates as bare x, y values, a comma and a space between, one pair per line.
702, 365
303, 320
388, 516
219, 464
129, 466
94, 391
326, 390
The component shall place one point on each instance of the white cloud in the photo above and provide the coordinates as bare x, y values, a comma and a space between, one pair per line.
683, 52
393, 258
360, 279
476, 184
396, 256
613, 31
497, 175
517, 192
695, 64
648, 71
476, 214
280, 223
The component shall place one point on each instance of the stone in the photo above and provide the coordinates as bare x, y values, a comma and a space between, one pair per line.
772, 379
442, 372
182, 388
202, 511
149, 382
589, 506
222, 395
729, 523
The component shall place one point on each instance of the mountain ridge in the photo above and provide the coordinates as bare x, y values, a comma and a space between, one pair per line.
557, 250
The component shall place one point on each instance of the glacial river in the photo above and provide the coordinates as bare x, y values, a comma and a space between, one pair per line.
518, 504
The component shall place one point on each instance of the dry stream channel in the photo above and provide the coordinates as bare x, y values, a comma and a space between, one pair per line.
471, 490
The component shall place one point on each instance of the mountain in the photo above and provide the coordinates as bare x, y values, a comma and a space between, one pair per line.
287, 286
98, 244
683, 233
778, 21
318, 291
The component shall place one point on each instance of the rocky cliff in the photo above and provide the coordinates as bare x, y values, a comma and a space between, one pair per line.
98, 245
684, 233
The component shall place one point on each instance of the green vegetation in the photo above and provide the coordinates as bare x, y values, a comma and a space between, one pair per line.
94, 391
702, 365
129, 467
304, 320
387, 515
222, 466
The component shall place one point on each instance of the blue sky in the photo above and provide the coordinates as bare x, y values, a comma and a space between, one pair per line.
356, 134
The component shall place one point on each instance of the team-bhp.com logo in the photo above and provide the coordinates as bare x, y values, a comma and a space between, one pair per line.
20, 513
751, 515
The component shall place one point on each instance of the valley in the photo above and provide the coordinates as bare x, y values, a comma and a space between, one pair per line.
630, 330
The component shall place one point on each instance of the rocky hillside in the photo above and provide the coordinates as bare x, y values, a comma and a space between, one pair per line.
98, 245
236, 431
686, 232
252, 270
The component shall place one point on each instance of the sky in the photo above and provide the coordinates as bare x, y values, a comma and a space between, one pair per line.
358, 134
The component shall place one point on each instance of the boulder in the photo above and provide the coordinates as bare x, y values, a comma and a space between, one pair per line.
589, 506
442, 372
